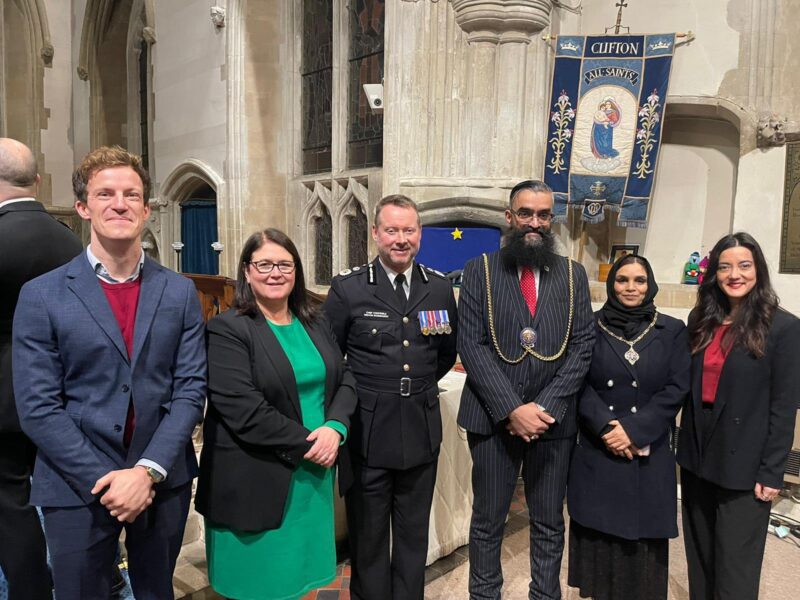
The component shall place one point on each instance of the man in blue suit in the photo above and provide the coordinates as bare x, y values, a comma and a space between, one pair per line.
109, 377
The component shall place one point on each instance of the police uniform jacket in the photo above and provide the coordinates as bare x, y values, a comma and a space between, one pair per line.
397, 424
631, 499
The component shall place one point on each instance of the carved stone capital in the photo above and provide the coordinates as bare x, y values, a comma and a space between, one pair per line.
774, 130
149, 35
218, 16
501, 22
47, 54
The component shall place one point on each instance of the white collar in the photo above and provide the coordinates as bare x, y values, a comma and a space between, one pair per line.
15, 200
393, 274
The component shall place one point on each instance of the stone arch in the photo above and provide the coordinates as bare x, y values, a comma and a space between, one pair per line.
150, 245
187, 177
317, 209
352, 204
112, 34
25, 51
479, 211
713, 107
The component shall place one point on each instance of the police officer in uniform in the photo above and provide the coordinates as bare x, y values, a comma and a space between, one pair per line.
396, 321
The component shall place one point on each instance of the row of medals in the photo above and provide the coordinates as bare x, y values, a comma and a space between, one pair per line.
434, 322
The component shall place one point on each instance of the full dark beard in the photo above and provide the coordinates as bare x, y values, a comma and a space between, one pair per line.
519, 252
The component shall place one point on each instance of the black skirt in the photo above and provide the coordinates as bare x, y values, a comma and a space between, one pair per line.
605, 567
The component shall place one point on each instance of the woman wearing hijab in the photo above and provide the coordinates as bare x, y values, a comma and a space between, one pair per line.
737, 425
622, 489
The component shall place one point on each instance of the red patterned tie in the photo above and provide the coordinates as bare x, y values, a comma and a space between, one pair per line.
527, 284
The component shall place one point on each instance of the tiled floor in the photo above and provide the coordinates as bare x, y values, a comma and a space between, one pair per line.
339, 588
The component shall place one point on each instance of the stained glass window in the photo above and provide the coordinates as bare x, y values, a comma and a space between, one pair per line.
323, 250
365, 129
357, 237
316, 71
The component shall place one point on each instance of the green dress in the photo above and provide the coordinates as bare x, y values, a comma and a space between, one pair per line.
299, 556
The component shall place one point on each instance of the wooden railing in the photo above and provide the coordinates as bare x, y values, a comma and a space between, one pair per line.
215, 293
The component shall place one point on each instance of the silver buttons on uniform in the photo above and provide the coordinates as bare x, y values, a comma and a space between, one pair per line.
406, 344
610, 383
633, 409
634, 384
406, 368
610, 408
405, 319
374, 331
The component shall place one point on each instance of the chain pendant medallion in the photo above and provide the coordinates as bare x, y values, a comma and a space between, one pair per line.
631, 355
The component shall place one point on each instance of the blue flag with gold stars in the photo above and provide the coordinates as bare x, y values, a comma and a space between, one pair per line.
449, 248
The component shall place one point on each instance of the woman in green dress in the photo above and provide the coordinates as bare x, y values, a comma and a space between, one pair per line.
280, 399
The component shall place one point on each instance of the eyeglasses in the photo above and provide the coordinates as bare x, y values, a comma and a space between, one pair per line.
526, 216
265, 266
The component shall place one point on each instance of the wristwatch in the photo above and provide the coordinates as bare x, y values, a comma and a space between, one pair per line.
154, 475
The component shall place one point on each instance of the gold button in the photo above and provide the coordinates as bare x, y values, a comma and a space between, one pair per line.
374, 331
406, 368
405, 343
405, 319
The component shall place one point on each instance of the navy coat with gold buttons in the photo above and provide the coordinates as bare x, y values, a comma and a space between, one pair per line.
631, 499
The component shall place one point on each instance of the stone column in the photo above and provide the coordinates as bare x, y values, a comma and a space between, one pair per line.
499, 34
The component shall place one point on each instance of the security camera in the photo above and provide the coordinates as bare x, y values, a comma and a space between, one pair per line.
374, 93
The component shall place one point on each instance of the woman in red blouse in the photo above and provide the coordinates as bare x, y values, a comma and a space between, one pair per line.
737, 424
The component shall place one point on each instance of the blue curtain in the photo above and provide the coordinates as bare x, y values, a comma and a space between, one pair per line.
198, 231
449, 248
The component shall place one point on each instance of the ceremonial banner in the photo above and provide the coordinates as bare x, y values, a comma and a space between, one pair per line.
604, 131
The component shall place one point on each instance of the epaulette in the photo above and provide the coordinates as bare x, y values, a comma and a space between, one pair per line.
353, 271
423, 271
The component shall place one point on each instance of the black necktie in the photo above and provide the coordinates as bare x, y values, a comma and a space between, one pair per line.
399, 280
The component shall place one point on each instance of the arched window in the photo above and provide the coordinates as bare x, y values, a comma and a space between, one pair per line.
357, 230
323, 250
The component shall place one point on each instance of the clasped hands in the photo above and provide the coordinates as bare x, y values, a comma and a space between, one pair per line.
528, 422
618, 443
325, 446
128, 492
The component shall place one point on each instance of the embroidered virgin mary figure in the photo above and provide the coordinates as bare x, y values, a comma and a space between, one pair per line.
606, 119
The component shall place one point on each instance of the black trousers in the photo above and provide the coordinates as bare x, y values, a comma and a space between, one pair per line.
724, 532
380, 498
83, 546
496, 463
23, 556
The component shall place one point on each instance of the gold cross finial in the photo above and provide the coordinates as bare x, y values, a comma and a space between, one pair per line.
621, 4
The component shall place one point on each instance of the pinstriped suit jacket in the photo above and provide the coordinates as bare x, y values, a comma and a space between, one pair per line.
494, 388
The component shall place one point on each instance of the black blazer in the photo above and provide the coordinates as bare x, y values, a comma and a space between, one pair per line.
754, 413
31, 244
637, 498
253, 433
494, 388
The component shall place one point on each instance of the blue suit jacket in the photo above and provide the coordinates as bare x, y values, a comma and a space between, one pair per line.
73, 379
